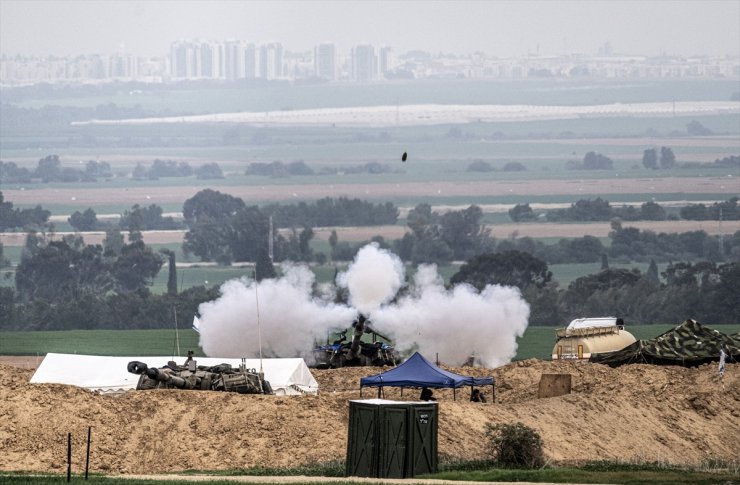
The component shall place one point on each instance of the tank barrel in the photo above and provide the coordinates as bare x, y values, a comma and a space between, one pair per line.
161, 376
136, 367
359, 326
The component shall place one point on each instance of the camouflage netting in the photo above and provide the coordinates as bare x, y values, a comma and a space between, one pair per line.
689, 344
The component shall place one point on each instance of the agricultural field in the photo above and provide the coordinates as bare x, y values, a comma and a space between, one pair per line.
537, 342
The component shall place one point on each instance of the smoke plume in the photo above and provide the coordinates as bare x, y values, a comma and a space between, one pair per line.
373, 279
453, 323
289, 322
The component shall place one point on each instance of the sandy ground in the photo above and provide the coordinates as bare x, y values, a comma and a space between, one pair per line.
638, 412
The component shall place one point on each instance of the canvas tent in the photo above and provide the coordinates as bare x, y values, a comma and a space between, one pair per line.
419, 372
109, 374
688, 344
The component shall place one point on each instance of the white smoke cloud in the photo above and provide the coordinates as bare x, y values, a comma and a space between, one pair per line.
374, 278
454, 324
290, 320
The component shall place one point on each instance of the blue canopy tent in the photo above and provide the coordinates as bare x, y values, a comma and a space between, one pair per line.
419, 372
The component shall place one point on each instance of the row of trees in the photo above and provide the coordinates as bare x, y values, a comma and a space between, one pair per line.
703, 291
224, 229
49, 169
135, 219
29, 219
588, 210
651, 159
630, 244
171, 168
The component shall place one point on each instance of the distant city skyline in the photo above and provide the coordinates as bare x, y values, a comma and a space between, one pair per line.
497, 28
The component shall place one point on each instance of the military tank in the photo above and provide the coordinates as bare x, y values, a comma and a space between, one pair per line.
221, 377
342, 353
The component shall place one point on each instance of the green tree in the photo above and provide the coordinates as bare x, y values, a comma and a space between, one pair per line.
172, 272
515, 445
522, 213
694, 128
210, 205
7, 308
333, 239
652, 212
667, 158
84, 221
263, 266
209, 171
597, 161
113, 242
49, 168
3, 262
60, 270
421, 218
136, 267
652, 272
463, 232
650, 158
511, 268
304, 243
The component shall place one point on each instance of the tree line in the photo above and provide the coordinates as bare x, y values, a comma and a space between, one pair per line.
704, 291
590, 210
68, 284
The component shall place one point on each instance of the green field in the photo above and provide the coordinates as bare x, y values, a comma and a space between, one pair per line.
537, 342
613, 472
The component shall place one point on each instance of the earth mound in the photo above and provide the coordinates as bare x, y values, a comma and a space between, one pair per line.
638, 412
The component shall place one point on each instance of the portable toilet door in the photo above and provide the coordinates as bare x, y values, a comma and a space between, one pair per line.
392, 452
391, 439
361, 444
422, 448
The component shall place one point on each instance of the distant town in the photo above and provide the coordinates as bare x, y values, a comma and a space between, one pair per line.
239, 60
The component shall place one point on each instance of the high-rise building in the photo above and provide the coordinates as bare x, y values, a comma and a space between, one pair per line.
206, 63
234, 60
186, 59
364, 63
325, 61
385, 60
250, 61
271, 60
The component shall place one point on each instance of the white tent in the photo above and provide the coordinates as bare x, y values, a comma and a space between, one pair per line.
109, 374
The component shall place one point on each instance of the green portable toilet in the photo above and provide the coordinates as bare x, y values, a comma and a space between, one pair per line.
391, 439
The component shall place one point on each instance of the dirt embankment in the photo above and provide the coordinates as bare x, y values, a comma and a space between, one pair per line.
637, 412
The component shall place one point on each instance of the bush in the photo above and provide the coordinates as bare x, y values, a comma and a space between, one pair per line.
515, 446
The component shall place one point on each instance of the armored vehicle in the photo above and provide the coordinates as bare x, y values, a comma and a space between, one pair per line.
342, 353
222, 377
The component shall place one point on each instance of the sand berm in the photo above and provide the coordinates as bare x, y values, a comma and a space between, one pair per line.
669, 414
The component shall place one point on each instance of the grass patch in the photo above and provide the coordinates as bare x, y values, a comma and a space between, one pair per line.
537, 342
626, 474
476, 471
101, 342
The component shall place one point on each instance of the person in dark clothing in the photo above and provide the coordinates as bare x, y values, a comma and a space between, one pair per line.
426, 395
477, 396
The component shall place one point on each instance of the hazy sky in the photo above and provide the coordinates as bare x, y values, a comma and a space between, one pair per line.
500, 28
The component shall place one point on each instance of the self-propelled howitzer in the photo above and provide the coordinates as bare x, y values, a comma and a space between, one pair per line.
356, 352
222, 377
